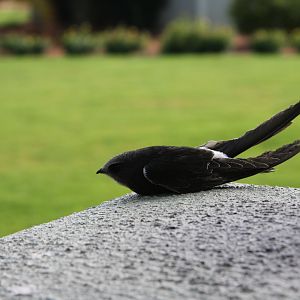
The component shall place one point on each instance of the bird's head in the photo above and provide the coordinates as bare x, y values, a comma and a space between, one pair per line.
127, 168
121, 167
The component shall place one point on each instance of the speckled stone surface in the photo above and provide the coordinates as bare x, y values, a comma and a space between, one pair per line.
236, 242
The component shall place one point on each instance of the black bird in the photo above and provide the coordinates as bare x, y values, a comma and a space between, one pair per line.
169, 169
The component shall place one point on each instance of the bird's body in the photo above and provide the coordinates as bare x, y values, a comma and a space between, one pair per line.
170, 169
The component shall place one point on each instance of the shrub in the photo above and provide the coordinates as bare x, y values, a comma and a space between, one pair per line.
253, 15
123, 40
185, 36
216, 40
79, 41
267, 41
295, 39
181, 36
24, 44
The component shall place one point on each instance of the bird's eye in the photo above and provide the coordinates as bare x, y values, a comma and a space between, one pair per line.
116, 167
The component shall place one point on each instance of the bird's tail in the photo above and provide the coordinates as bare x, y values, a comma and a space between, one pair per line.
263, 163
261, 133
276, 157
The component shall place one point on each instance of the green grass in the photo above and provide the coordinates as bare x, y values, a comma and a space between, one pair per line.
14, 17
62, 118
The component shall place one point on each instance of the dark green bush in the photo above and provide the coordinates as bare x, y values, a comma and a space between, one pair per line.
216, 40
252, 15
264, 41
181, 36
185, 36
295, 39
24, 44
123, 40
79, 41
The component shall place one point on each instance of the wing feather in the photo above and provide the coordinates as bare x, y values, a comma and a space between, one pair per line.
194, 172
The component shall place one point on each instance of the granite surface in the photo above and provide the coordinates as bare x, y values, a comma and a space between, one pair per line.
235, 242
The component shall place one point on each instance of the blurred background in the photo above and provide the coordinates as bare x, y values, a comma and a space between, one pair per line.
83, 80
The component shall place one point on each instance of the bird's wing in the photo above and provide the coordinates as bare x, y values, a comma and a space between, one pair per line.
264, 131
192, 173
176, 170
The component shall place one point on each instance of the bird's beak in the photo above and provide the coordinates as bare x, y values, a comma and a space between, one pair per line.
101, 171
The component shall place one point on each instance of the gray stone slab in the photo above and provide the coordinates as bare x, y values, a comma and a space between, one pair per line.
236, 242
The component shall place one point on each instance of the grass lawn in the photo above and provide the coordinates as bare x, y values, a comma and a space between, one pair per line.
14, 17
62, 118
